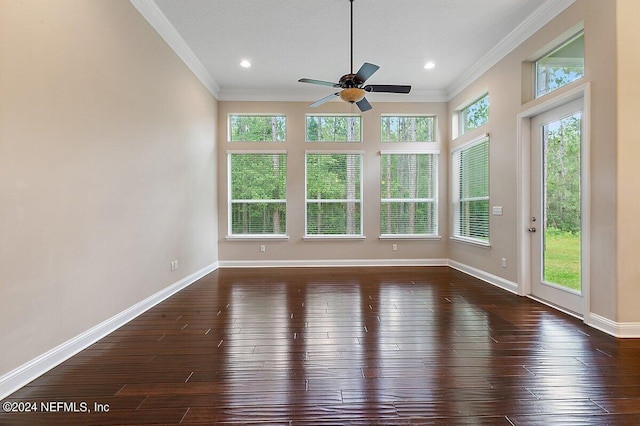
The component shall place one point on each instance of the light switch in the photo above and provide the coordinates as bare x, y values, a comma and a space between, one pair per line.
497, 210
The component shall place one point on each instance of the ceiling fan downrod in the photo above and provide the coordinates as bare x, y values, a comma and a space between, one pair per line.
351, 2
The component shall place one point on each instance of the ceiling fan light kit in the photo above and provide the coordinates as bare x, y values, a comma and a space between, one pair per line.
352, 94
351, 84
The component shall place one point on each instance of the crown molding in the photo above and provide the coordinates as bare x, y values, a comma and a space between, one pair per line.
152, 13
279, 95
541, 17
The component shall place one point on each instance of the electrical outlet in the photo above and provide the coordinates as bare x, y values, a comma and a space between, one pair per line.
504, 262
263, 248
174, 265
394, 247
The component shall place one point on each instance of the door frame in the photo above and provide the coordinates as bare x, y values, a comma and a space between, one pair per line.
524, 189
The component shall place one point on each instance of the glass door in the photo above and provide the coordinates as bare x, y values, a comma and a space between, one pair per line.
556, 200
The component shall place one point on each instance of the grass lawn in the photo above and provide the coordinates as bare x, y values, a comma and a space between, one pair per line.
562, 259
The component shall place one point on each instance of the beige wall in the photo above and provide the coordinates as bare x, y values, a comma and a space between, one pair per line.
504, 84
628, 158
298, 250
107, 169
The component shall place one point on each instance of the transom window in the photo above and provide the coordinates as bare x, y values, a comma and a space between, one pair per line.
333, 128
334, 194
257, 128
408, 191
470, 197
407, 128
257, 194
474, 115
560, 67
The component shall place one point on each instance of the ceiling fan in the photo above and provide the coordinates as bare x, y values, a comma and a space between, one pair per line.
351, 84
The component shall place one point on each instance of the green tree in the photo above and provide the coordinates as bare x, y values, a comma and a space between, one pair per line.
562, 174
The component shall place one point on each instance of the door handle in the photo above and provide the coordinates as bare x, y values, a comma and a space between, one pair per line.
532, 229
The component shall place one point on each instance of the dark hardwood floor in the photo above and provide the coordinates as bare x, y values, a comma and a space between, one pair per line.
362, 346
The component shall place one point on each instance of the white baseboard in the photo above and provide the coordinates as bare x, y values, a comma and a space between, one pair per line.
17, 378
625, 330
485, 276
330, 263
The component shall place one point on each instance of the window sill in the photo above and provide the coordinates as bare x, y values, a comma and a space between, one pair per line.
256, 237
333, 237
409, 237
471, 242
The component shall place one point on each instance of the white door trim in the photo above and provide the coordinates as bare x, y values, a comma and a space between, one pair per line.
540, 106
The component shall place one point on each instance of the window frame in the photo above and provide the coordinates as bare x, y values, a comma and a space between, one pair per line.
230, 131
456, 200
434, 199
560, 46
230, 200
434, 124
306, 124
462, 129
360, 201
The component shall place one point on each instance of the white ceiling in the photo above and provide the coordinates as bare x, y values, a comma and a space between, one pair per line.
289, 39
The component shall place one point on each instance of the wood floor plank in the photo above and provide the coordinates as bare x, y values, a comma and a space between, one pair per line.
356, 346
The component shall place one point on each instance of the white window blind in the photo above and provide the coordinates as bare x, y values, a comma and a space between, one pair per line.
333, 128
334, 194
257, 189
470, 166
408, 191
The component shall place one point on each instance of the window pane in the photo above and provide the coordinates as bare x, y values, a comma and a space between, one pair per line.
475, 115
261, 128
407, 129
333, 218
471, 192
408, 218
333, 194
258, 193
329, 128
560, 67
408, 185
258, 218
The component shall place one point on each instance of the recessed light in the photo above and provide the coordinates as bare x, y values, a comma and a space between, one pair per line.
245, 64
429, 65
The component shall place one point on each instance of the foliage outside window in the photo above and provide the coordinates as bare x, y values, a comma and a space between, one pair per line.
407, 128
560, 67
470, 166
257, 128
334, 128
334, 194
408, 191
562, 172
475, 115
257, 202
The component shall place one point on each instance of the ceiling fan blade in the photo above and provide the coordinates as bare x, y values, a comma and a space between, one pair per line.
364, 105
323, 100
388, 88
366, 71
320, 82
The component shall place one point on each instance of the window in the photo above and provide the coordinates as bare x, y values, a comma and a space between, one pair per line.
334, 194
560, 67
475, 115
334, 128
257, 128
257, 194
470, 183
407, 128
408, 191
